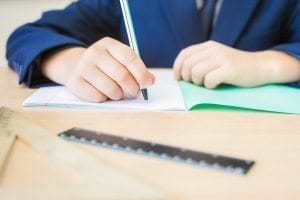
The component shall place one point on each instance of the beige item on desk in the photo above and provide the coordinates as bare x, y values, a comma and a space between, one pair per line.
7, 139
118, 185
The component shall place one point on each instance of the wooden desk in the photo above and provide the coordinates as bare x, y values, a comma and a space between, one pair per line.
272, 140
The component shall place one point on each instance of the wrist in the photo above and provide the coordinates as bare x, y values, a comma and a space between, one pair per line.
278, 67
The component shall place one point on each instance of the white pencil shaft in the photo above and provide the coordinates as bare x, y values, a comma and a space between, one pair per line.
129, 26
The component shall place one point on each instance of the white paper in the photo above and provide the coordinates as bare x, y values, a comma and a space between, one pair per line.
163, 95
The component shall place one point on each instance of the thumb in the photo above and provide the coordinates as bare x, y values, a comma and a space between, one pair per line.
214, 78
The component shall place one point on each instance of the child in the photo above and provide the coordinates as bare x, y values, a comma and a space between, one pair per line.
244, 43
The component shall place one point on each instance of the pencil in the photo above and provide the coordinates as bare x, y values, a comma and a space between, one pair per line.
131, 35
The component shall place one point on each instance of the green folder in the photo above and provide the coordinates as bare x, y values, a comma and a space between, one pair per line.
272, 98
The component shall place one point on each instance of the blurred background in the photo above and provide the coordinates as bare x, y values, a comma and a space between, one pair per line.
14, 13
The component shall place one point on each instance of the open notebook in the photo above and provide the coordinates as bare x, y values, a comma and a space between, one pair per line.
163, 95
168, 94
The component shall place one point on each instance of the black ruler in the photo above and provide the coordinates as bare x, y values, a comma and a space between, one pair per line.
196, 158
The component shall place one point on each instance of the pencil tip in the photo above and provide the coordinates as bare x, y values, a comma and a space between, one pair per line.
145, 94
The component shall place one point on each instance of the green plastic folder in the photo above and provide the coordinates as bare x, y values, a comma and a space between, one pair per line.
272, 98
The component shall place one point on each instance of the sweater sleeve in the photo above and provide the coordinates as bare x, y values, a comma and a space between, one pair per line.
80, 24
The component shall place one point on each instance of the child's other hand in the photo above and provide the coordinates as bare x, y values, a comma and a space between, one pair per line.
211, 64
106, 70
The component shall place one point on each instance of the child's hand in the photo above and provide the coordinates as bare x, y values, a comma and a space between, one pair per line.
211, 64
103, 71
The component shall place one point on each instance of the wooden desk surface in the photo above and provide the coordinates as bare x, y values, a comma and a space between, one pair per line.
272, 140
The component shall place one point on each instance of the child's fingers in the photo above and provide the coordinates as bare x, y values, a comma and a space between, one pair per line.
86, 91
128, 58
215, 77
102, 82
187, 53
201, 70
116, 71
177, 66
195, 60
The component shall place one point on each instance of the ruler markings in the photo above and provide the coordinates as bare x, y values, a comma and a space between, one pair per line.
166, 152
